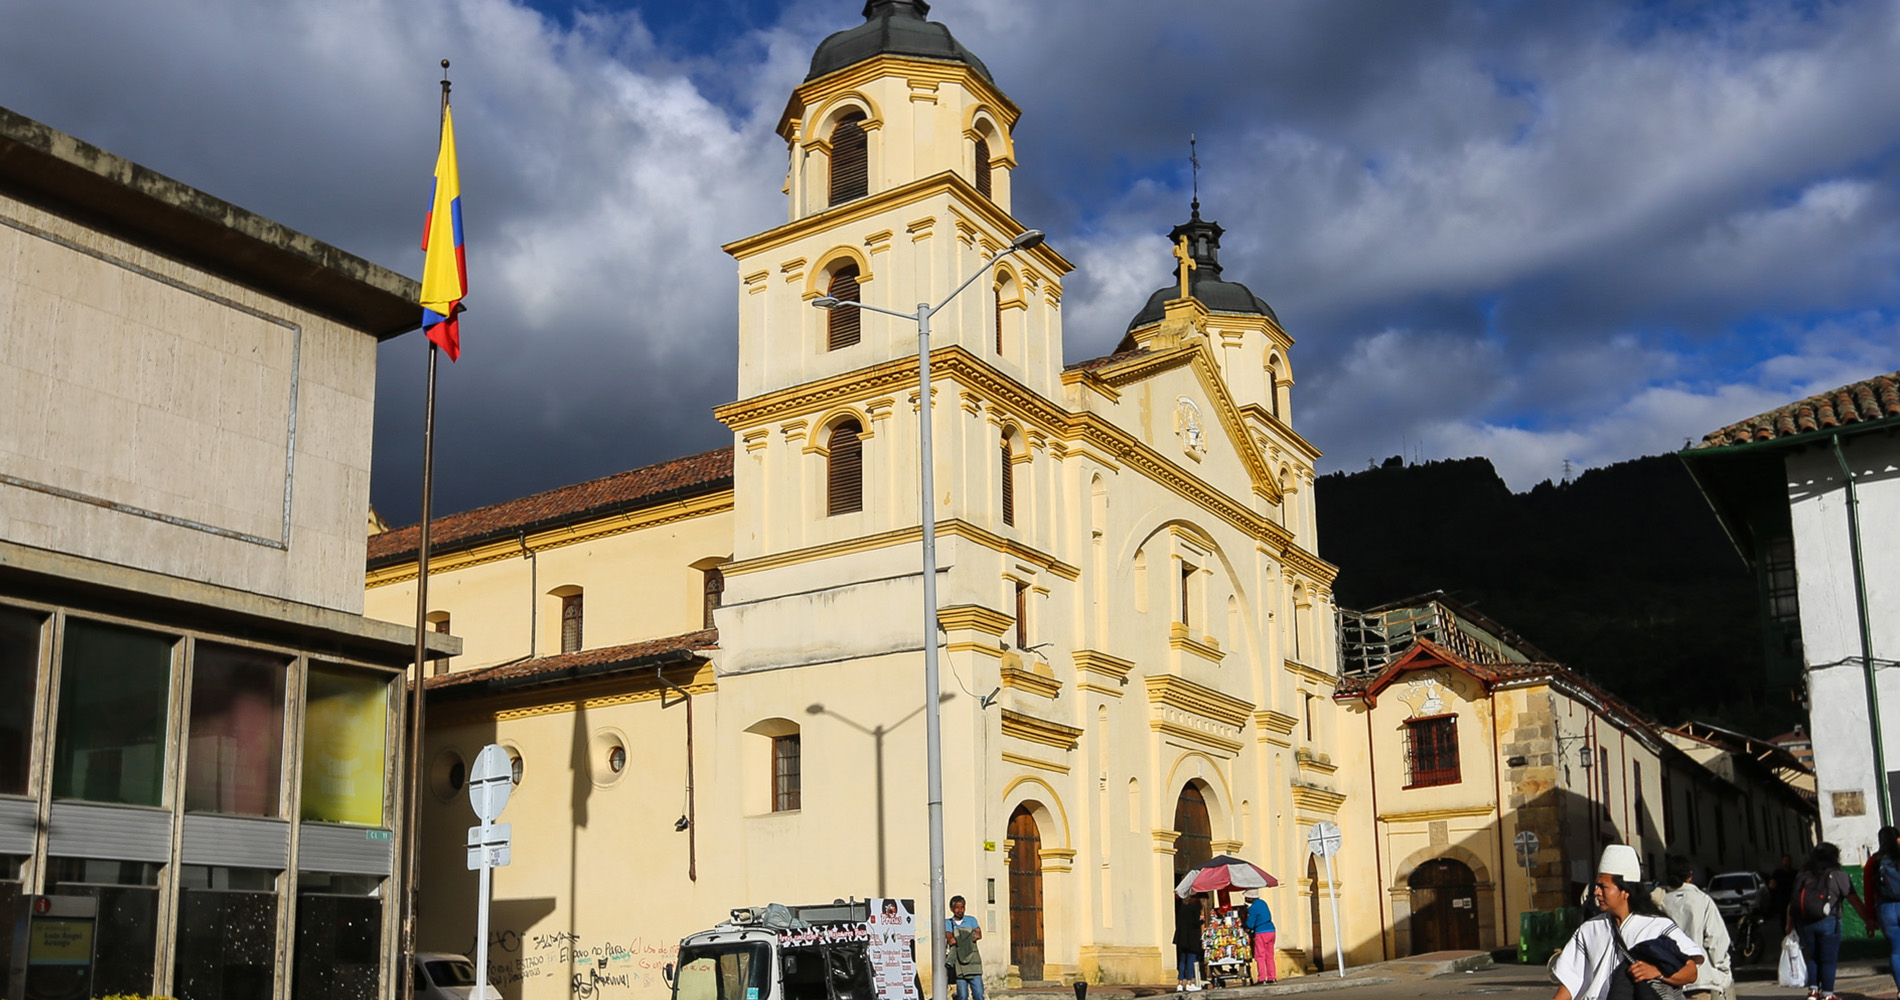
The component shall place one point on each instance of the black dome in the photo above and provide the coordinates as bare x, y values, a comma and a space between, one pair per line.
1204, 282
896, 27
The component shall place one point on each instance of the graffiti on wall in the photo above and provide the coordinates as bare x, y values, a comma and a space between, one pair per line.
564, 962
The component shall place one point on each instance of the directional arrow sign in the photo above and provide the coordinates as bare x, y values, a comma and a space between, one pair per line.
488, 845
491, 782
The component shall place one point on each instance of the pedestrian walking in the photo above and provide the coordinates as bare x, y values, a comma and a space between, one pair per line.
1187, 945
1814, 911
1881, 879
1780, 890
1701, 921
1260, 922
961, 934
1613, 955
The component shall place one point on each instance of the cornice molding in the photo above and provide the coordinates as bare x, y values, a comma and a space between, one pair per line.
1024, 760
1179, 693
917, 74
973, 616
1034, 730
1318, 800
1033, 683
1434, 815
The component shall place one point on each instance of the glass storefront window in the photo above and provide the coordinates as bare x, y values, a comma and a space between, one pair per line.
346, 716
113, 692
339, 937
234, 758
19, 678
227, 933
125, 939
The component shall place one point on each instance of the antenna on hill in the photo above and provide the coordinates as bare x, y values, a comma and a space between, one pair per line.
1566, 470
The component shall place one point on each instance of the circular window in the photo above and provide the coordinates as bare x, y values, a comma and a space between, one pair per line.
515, 768
607, 748
448, 775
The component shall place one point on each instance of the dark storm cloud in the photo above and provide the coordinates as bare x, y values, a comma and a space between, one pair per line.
1533, 231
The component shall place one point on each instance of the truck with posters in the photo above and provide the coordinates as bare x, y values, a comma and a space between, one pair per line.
846, 950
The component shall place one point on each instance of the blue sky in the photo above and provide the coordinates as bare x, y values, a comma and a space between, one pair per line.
1535, 232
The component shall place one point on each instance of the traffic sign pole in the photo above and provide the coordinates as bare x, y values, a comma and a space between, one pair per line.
489, 785
1324, 839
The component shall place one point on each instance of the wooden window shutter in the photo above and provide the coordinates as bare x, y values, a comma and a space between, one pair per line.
850, 160
844, 473
842, 328
1273, 389
1009, 486
983, 167
1022, 616
998, 309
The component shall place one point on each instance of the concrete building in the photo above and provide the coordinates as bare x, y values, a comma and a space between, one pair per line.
197, 724
1810, 494
1496, 777
709, 670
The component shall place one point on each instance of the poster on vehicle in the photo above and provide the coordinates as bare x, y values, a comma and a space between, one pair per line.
893, 927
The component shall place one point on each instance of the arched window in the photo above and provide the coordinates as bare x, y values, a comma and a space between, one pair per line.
844, 470
1273, 389
996, 303
842, 323
571, 623
983, 167
1009, 484
715, 590
850, 159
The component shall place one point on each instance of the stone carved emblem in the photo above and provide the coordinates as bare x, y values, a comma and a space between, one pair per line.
1427, 694
1187, 424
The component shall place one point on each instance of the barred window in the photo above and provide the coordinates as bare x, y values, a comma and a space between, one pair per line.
1778, 577
571, 623
785, 772
1431, 751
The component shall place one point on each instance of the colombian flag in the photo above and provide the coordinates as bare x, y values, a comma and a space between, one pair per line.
444, 270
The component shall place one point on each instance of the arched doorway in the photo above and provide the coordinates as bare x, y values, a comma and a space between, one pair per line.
1025, 895
1444, 907
1318, 954
1195, 845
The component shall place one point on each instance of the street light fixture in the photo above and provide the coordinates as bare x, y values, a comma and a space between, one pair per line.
1029, 239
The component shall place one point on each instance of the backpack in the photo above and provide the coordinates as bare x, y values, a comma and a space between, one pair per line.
1889, 880
1813, 897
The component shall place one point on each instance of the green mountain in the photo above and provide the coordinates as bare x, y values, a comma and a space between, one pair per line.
1622, 574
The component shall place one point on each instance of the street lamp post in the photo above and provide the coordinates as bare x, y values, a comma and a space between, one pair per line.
933, 724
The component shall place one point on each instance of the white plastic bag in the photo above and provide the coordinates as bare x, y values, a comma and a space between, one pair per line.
1794, 966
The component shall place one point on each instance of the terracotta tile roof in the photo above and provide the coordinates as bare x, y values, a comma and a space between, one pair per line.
1425, 654
1877, 398
1105, 360
707, 472
550, 669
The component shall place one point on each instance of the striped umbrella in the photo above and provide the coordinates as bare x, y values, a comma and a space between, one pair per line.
1224, 872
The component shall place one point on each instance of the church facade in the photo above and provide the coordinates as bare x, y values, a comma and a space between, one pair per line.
709, 671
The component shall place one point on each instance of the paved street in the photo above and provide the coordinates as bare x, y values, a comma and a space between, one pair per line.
1505, 982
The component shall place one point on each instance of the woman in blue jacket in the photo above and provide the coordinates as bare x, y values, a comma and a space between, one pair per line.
1260, 922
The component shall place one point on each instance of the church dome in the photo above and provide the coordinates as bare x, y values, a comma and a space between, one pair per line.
1204, 282
896, 27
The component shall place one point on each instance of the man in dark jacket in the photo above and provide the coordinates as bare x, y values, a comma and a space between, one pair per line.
1187, 945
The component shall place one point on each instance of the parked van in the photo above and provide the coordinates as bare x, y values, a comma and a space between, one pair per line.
834, 951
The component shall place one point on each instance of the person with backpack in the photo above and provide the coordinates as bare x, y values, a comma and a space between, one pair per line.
1881, 876
1814, 911
1622, 952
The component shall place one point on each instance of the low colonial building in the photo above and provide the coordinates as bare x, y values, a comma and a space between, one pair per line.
1496, 777
198, 727
710, 671
1810, 494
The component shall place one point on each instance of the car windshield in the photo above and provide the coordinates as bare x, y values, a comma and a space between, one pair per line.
1732, 883
452, 972
738, 971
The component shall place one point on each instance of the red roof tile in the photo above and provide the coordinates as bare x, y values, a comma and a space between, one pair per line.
1877, 398
707, 472
554, 668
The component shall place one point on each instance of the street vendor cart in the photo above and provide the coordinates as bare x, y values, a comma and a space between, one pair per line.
1225, 941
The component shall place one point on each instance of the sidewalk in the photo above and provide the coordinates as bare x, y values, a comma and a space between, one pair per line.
1384, 973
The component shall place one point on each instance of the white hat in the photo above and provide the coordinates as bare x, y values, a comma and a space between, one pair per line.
1252, 894
1621, 860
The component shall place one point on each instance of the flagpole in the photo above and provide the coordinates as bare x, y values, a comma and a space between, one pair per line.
412, 828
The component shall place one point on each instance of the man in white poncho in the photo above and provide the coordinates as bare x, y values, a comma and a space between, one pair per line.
1591, 967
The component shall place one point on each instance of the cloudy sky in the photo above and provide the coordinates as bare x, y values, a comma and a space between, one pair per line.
1529, 231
